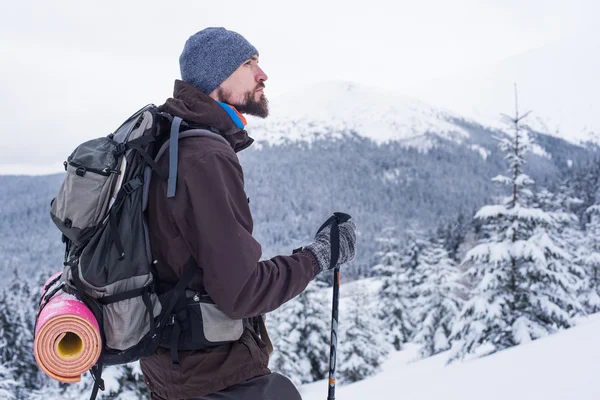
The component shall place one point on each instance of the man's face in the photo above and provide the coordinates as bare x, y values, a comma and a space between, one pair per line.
244, 89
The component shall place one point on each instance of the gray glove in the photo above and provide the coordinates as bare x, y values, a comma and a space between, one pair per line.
321, 247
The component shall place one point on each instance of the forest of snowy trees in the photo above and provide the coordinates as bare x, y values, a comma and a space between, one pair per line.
522, 267
519, 269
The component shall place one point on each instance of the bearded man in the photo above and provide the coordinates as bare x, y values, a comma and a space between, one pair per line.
208, 225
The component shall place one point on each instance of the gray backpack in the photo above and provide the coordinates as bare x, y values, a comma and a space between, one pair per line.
100, 210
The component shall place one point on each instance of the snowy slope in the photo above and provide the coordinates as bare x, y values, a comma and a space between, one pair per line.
336, 106
558, 82
560, 367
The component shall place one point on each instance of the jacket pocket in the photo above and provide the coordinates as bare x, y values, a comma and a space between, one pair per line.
203, 325
211, 325
216, 325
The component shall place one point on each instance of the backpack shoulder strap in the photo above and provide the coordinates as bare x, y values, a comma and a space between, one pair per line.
173, 145
173, 156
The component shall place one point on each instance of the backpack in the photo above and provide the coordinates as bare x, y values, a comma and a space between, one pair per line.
100, 210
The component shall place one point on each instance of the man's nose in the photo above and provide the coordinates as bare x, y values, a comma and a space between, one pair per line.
260, 75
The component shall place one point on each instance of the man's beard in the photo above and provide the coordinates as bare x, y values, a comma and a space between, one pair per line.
258, 108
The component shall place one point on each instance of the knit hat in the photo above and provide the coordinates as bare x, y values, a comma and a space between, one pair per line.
211, 55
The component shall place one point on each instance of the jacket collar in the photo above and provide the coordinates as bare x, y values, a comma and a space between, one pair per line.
194, 106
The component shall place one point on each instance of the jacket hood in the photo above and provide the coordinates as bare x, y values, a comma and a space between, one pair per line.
196, 107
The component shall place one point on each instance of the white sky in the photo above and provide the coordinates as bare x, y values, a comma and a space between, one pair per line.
72, 70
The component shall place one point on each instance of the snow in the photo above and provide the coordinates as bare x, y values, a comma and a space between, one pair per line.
558, 367
482, 150
538, 150
392, 175
523, 213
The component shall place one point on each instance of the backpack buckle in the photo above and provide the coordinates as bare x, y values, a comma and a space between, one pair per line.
80, 171
121, 148
127, 188
131, 186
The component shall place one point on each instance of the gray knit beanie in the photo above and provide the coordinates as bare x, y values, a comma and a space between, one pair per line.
211, 55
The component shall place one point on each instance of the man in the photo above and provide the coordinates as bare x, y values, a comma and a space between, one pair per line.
209, 223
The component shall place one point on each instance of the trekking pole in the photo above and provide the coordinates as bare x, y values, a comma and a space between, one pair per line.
335, 220
334, 326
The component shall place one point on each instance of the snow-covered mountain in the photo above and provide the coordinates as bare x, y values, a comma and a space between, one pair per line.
558, 82
330, 108
334, 109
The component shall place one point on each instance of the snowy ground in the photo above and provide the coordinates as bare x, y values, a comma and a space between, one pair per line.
562, 366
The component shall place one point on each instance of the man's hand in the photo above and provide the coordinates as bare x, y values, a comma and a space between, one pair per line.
321, 246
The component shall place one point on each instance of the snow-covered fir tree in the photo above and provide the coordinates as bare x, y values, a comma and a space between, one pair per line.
17, 317
397, 269
285, 358
8, 385
362, 346
589, 259
525, 288
584, 182
564, 232
560, 205
55, 390
453, 234
125, 382
300, 329
438, 299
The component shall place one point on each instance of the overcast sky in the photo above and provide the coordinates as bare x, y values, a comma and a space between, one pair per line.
71, 70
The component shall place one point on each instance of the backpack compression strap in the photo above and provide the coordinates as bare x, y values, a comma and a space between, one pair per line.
179, 292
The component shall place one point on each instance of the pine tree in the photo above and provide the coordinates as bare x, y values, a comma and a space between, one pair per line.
17, 318
439, 300
525, 288
301, 328
585, 183
127, 382
560, 205
315, 330
54, 390
285, 358
564, 232
362, 346
589, 259
453, 234
8, 385
397, 269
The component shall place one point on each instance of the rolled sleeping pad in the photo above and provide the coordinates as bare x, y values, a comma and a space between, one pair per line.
67, 337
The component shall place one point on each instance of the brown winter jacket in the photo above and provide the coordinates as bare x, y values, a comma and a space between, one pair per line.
209, 219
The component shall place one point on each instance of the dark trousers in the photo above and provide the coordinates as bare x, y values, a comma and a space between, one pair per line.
267, 387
